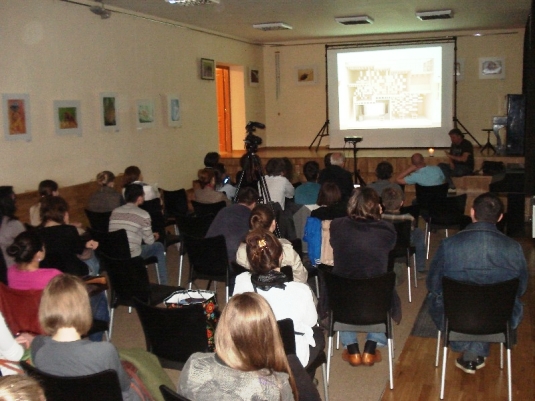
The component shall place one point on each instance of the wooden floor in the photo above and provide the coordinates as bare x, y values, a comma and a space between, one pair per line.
416, 377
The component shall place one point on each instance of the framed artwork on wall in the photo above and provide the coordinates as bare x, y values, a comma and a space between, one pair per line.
16, 115
109, 116
306, 75
207, 69
145, 113
173, 110
491, 68
254, 76
68, 117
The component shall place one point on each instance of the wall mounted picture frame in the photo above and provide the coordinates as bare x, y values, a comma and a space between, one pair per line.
254, 76
16, 115
207, 69
173, 106
68, 117
109, 115
145, 113
492, 68
306, 75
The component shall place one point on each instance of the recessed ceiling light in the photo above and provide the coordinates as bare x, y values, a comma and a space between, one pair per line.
357, 20
429, 15
272, 26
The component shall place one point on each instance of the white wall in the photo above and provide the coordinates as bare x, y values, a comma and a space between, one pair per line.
54, 50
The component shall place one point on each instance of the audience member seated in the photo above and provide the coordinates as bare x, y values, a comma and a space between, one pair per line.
327, 160
132, 175
249, 175
243, 367
65, 315
28, 250
361, 243
277, 184
20, 388
207, 193
330, 201
420, 173
461, 157
233, 222
288, 169
65, 248
383, 172
211, 159
46, 188
337, 174
307, 193
262, 218
223, 183
288, 299
12, 349
106, 198
137, 223
10, 226
392, 201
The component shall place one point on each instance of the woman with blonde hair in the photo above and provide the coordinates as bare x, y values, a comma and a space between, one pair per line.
288, 299
207, 192
262, 217
20, 388
65, 315
106, 198
249, 362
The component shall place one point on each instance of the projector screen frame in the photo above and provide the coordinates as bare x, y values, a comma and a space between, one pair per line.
446, 123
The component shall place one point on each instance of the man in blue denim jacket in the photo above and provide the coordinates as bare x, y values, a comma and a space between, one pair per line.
479, 254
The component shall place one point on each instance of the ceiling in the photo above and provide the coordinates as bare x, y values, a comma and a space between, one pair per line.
314, 19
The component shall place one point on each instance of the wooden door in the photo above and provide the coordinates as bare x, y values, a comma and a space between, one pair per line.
223, 109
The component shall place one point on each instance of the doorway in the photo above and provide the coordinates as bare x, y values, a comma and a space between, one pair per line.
224, 120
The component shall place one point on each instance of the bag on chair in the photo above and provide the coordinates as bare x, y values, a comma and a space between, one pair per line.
185, 298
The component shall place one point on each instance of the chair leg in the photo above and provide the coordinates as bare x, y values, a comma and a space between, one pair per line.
180, 267
226, 293
414, 269
317, 286
437, 354
337, 340
157, 271
409, 281
111, 324
443, 379
329, 356
501, 356
390, 358
509, 376
428, 236
325, 383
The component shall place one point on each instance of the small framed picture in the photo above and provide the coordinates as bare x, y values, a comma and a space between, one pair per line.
306, 75
207, 69
254, 76
173, 111
492, 68
16, 114
145, 113
68, 117
109, 116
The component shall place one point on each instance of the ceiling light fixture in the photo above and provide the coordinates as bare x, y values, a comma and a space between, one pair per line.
429, 15
272, 26
192, 2
357, 20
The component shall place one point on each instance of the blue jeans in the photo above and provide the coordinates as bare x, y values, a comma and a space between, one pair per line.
99, 307
156, 249
350, 337
93, 264
458, 171
418, 241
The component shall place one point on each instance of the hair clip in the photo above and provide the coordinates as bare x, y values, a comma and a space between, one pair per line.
262, 243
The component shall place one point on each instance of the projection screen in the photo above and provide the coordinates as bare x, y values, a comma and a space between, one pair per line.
393, 96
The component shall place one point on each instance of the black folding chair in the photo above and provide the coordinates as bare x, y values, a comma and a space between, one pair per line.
102, 386
170, 395
405, 250
482, 313
202, 209
99, 221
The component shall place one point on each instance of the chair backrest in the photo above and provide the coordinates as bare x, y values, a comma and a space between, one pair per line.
128, 279
102, 386
20, 309
173, 333
287, 332
175, 202
431, 195
403, 242
202, 209
360, 301
194, 226
478, 308
3, 268
99, 221
113, 244
207, 256
170, 395
154, 209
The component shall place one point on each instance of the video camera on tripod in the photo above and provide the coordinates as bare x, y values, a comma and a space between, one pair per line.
251, 140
